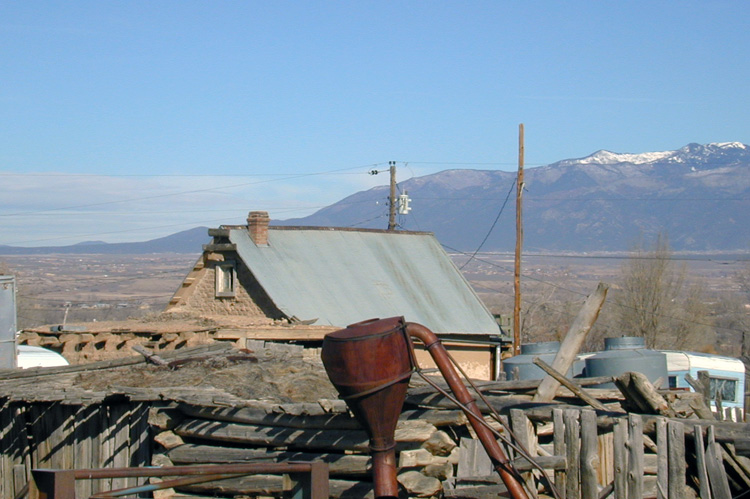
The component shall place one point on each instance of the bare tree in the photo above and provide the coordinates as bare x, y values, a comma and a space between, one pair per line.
655, 302
743, 279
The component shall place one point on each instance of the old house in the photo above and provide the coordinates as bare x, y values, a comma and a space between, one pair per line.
333, 277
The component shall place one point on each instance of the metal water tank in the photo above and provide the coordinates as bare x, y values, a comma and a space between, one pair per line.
525, 360
627, 354
7, 321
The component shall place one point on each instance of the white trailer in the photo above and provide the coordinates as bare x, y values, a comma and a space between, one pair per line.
726, 375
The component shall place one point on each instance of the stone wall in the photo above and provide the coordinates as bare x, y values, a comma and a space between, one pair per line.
203, 300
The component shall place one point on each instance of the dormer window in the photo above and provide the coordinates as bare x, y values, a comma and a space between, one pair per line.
226, 277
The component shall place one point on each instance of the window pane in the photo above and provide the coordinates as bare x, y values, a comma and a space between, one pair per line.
225, 277
726, 387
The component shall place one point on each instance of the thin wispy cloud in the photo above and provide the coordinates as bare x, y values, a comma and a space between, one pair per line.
601, 98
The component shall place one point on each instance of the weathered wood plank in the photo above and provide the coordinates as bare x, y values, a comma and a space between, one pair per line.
84, 435
572, 453
524, 432
558, 439
700, 462
635, 456
717, 476
264, 415
473, 459
676, 450
577, 391
574, 338
34, 372
119, 415
273, 485
662, 459
638, 390
523, 385
408, 435
589, 457
339, 464
605, 470
620, 437
139, 452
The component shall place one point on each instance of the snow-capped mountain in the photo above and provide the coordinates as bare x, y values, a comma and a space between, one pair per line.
699, 195
691, 152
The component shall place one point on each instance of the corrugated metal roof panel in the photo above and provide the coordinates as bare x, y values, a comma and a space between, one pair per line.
344, 276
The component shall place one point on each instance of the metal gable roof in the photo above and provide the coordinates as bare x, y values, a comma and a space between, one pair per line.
340, 277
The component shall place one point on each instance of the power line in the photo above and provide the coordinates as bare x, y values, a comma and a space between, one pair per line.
193, 191
630, 257
492, 226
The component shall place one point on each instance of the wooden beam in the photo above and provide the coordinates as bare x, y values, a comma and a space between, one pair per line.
577, 391
218, 232
572, 343
220, 247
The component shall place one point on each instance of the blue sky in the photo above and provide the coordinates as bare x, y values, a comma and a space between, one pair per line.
125, 121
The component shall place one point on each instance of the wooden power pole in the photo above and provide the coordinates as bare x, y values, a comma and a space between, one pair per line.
392, 199
519, 246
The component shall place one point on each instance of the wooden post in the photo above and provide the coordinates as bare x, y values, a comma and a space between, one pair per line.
662, 459
717, 475
700, 461
635, 456
574, 338
589, 459
558, 427
676, 451
705, 382
392, 198
621, 458
524, 432
519, 246
572, 453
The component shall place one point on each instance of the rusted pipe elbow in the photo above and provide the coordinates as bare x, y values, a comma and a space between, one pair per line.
469, 405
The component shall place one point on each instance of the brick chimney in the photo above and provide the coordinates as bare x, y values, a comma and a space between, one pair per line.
257, 227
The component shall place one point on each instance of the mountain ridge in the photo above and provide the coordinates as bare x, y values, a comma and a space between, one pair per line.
698, 195
187, 241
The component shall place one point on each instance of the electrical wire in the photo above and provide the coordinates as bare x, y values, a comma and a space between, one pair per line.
512, 442
492, 226
180, 193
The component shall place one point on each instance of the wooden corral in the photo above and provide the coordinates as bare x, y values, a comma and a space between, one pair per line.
585, 453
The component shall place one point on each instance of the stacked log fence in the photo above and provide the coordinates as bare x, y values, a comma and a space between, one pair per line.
583, 453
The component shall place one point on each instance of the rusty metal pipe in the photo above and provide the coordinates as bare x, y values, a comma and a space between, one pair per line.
498, 457
369, 363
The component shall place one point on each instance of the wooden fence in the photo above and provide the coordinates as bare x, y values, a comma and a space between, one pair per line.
632, 456
58, 436
47, 423
584, 454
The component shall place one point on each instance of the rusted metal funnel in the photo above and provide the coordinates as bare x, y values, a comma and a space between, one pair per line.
370, 364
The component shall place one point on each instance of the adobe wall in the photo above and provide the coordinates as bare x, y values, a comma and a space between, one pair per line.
476, 360
203, 299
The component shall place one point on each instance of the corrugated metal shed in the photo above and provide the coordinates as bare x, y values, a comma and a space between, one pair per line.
344, 276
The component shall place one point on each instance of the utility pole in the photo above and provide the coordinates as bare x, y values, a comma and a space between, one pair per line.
519, 245
392, 198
